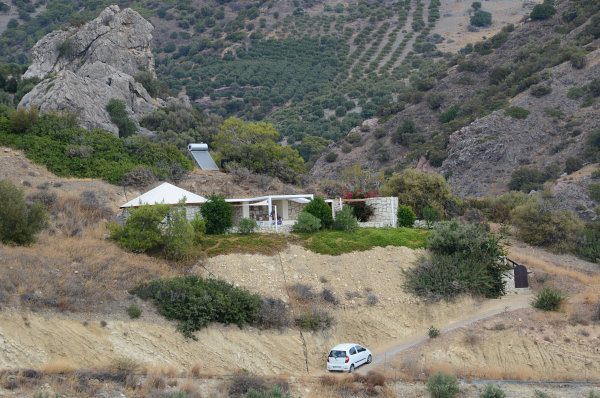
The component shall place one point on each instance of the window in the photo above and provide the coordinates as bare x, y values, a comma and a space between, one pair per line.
360, 349
352, 351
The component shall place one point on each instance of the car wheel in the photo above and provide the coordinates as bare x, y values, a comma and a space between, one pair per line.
369, 359
351, 369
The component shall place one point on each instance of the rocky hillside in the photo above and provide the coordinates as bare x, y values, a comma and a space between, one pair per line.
458, 121
85, 66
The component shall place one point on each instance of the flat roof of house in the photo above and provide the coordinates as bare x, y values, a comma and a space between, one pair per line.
299, 198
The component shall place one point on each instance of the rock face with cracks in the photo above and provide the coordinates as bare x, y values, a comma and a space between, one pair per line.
84, 67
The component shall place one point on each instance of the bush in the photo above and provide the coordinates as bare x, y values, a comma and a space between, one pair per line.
19, 221
371, 299
538, 226
242, 384
195, 302
361, 210
320, 209
152, 228
542, 11
406, 217
481, 18
492, 391
134, 311
435, 100
516, 112
306, 222
431, 216
433, 332
417, 190
463, 259
548, 299
441, 385
345, 220
177, 234
139, 177
525, 179
218, 215
328, 296
572, 165
589, 243
450, 114
118, 115
247, 226
274, 392
273, 314
315, 320
331, 157
540, 90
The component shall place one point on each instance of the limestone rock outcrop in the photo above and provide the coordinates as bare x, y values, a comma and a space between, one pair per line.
84, 67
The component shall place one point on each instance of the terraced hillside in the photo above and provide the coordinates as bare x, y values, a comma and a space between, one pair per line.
314, 69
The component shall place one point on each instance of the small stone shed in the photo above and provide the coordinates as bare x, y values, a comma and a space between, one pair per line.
167, 194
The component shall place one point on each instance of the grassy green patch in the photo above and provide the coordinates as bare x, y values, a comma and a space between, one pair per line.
268, 244
338, 242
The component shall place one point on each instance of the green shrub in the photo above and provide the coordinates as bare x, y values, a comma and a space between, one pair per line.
575, 93
435, 100
539, 226
525, 179
540, 90
450, 114
177, 234
315, 320
481, 18
345, 220
199, 227
331, 157
441, 385
195, 302
118, 115
589, 244
320, 209
142, 230
431, 216
463, 259
306, 222
218, 215
516, 112
134, 311
542, 11
154, 228
247, 226
19, 221
492, 391
275, 392
406, 217
548, 299
417, 189
433, 332
573, 164
540, 394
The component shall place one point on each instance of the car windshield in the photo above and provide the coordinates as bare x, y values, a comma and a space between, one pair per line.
337, 354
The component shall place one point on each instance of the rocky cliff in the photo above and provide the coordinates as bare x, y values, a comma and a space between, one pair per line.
84, 67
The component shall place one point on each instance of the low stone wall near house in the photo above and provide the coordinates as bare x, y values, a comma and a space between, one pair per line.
384, 212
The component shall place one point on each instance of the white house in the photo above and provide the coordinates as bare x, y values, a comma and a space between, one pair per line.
167, 194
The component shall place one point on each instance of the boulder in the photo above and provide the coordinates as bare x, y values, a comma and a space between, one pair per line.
84, 67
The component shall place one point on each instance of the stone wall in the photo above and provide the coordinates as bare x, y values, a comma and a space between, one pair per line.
294, 209
384, 212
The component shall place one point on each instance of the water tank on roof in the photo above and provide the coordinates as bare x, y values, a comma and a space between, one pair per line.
202, 157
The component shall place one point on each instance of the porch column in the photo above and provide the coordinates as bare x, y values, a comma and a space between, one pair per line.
245, 209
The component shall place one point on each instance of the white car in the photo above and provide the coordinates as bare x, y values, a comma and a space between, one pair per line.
347, 357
